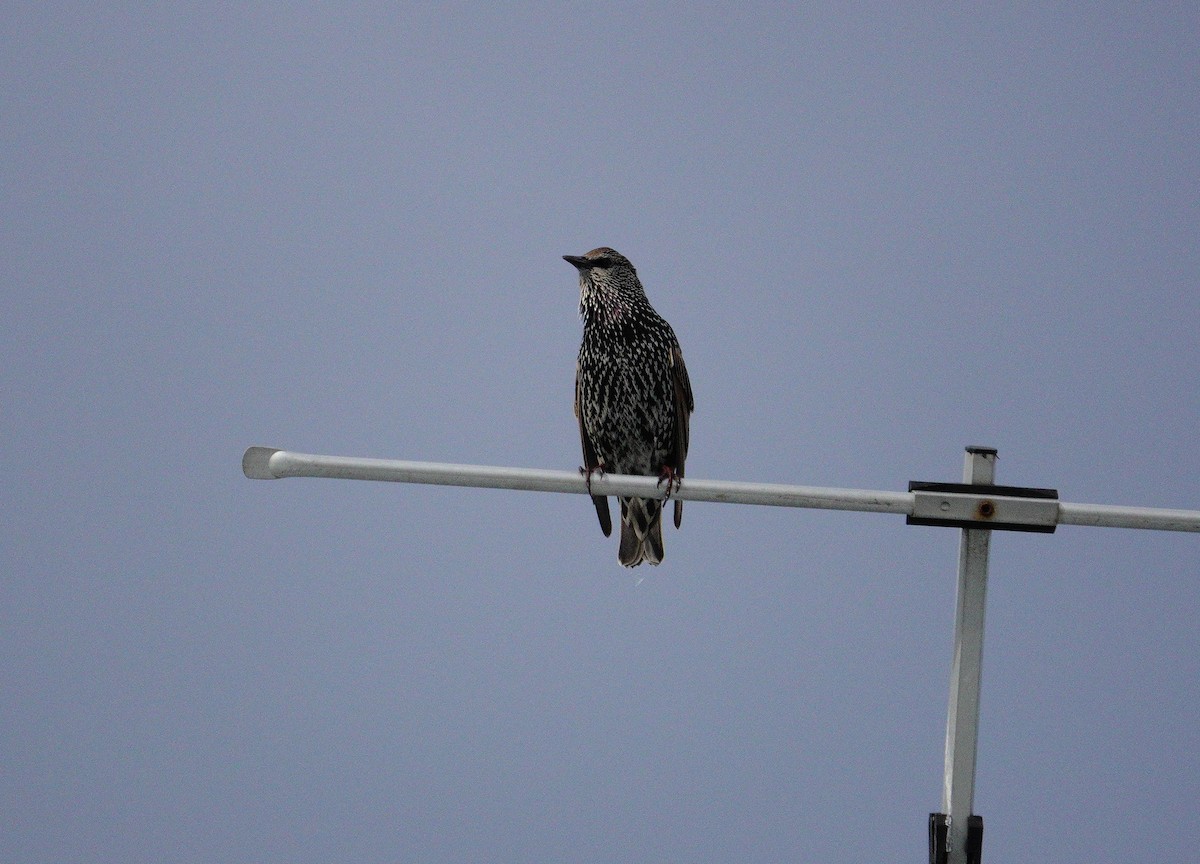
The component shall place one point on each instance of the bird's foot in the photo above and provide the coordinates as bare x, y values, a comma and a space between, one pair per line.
587, 475
667, 475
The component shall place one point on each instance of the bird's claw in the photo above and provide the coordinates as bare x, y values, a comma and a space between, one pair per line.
587, 475
672, 480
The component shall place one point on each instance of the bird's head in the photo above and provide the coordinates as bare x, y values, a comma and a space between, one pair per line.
603, 259
606, 281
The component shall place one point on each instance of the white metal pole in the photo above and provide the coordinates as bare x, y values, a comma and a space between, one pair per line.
1113, 516
266, 463
269, 463
955, 834
962, 721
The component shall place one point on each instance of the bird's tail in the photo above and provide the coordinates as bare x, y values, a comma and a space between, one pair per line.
641, 532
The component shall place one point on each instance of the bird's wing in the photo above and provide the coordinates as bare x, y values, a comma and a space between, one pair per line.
590, 461
684, 405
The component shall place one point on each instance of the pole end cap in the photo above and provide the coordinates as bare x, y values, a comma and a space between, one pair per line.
256, 463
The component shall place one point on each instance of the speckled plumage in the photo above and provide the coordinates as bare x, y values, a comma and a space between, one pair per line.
632, 396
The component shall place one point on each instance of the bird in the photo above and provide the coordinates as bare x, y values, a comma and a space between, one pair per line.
633, 398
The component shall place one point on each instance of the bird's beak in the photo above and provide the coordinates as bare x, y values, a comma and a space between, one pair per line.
579, 261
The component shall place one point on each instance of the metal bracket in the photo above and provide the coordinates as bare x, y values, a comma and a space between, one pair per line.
938, 831
939, 849
970, 505
974, 839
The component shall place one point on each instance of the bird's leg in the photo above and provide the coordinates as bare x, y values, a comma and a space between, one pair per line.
668, 475
587, 474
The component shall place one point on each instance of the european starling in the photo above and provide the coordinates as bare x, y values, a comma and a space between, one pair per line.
632, 397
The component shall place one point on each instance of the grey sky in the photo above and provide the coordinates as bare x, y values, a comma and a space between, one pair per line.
880, 234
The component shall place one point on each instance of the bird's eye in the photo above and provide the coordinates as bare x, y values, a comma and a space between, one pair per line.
602, 262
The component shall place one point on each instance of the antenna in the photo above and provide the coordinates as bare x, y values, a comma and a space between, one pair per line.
976, 506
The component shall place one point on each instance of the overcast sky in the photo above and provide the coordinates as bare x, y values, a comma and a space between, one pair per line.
881, 232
